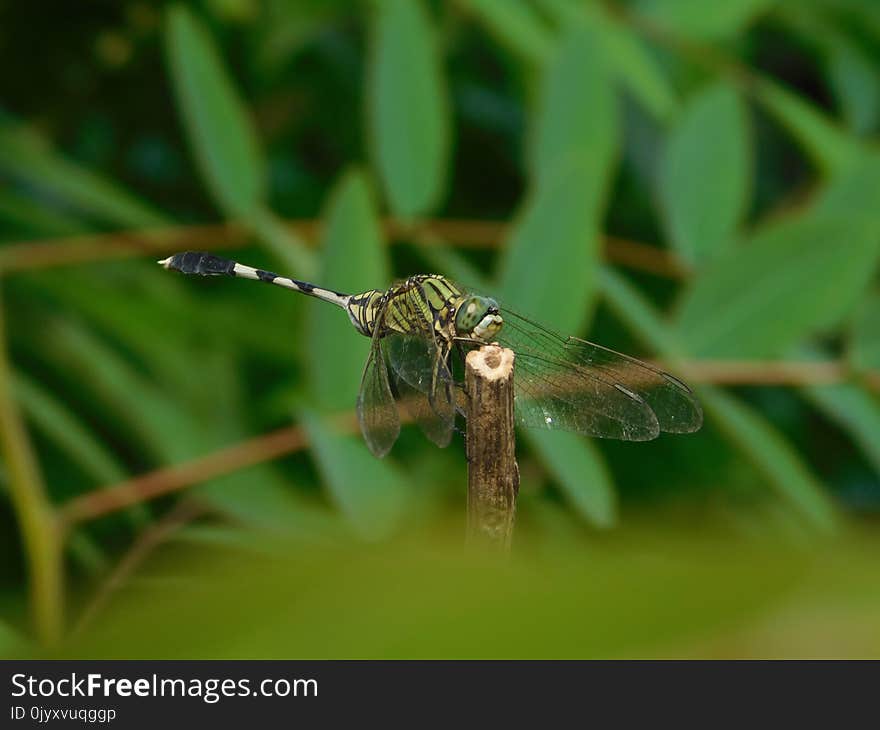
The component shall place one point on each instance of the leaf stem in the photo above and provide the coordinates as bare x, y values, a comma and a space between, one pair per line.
35, 514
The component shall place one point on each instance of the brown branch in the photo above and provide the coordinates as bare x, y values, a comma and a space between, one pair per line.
174, 478
745, 372
40, 254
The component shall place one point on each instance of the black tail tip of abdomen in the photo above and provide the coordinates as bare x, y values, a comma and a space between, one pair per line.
200, 263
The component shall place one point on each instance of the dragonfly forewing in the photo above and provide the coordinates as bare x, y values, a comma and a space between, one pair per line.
574, 385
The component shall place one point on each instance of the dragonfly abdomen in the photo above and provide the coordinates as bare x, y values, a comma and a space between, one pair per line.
206, 264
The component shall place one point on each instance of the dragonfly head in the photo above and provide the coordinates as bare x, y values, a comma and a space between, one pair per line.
478, 317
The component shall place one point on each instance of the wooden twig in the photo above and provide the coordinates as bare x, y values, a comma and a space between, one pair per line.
493, 475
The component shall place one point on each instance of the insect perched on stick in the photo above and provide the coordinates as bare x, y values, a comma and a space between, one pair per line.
423, 326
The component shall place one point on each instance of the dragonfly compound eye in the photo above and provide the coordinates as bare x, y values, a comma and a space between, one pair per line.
478, 317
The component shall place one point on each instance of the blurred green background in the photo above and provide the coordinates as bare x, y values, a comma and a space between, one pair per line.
696, 183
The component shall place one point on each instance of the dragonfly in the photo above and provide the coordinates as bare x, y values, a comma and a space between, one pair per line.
421, 329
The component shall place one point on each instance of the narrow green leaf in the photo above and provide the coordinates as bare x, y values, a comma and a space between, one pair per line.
576, 122
142, 408
353, 259
855, 410
408, 110
638, 70
581, 472
705, 174
830, 146
759, 442
67, 431
516, 25
260, 497
693, 19
856, 84
30, 160
627, 55
563, 216
854, 191
638, 314
369, 492
865, 340
37, 217
86, 552
573, 157
452, 263
790, 280
220, 132
773, 455
850, 73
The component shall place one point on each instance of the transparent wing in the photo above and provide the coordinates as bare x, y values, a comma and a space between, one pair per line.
570, 384
376, 410
421, 373
417, 406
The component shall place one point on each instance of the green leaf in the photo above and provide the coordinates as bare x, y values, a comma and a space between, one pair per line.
627, 55
260, 497
161, 424
849, 71
370, 493
772, 455
693, 19
632, 307
215, 119
830, 147
854, 191
759, 442
855, 410
574, 152
576, 123
37, 218
67, 431
29, 159
641, 74
453, 263
563, 216
789, 281
705, 174
408, 110
353, 259
856, 84
516, 25
865, 340
581, 473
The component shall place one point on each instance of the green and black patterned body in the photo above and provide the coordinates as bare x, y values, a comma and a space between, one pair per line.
420, 324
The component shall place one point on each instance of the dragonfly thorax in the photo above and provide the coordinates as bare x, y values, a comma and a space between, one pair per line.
478, 317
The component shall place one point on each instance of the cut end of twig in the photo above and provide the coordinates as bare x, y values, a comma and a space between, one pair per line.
491, 362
